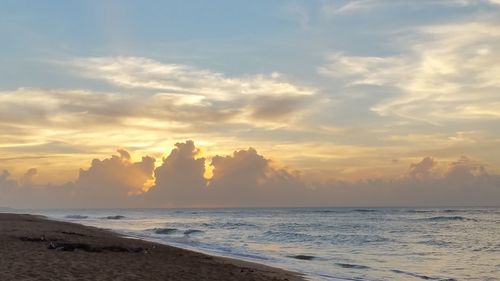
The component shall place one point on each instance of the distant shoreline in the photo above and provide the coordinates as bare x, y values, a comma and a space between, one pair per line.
36, 248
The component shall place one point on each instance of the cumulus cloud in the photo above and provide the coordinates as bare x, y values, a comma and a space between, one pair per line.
6, 184
244, 166
466, 170
27, 178
248, 179
24, 193
109, 181
244, 178
450, 72
462, 183
422, 169
180, 179
239, 178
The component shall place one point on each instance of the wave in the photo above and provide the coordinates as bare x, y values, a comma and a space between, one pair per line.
303, 257
192, 231
165, 231
78, 217
359, 239
294, 225
451, 211
173, 231
354, 266
365, 210
229, 225
341, 210
437, 243
449, 218
488, 248
421, 211
114, 217
325, 211
425, 277
288, 236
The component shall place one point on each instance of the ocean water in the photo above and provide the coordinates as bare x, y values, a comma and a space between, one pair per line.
325, 243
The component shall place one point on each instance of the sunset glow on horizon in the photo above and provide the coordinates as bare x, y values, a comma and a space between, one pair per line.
277, 103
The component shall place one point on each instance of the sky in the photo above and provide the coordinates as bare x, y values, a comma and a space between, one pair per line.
249, 103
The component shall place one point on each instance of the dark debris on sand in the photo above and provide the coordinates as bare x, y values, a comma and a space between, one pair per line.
34, 248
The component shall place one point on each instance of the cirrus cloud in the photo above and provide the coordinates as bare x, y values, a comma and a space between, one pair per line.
450, 73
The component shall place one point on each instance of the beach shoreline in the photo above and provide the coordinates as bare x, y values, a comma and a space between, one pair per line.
37, 248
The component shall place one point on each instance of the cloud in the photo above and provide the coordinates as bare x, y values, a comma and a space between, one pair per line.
150, 102
465, 170
144, 73
112, 181
472, 2
180, 179
449, 73
107, 183
248, 179
358, 70
34, 108
461, 184
243, 166
244, 178
350, 6
6, 184
278, 109
193, 88
422, 169
26, 194
27, 178
358, 6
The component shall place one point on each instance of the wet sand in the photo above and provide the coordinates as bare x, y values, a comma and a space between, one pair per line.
34, 248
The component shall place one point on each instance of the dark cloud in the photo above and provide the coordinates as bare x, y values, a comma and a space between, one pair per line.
5, 182
463, 183
27, 178
26, 194
244, 166
124, 154
248, 179
242, 179
422, 169
465, 170
52, 147
179, 180
280, 108
114, 180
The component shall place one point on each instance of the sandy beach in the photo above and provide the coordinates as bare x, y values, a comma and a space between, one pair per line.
35, 248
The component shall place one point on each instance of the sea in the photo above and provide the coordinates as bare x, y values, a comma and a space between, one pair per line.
324, 243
